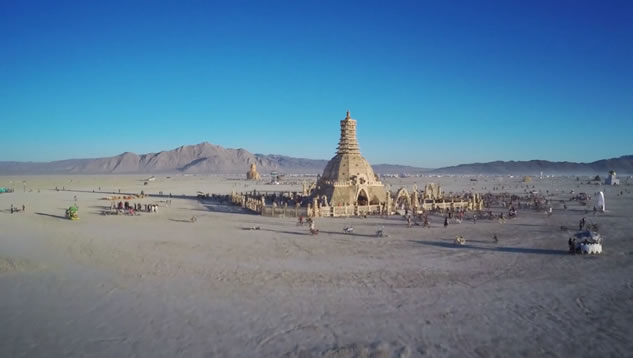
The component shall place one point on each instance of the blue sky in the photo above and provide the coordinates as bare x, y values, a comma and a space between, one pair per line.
431, 83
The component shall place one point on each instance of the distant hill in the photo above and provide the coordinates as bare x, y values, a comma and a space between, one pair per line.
398, 169
622, 165
207, 158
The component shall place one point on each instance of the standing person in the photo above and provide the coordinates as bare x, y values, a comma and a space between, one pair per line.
445, 221
313, 229
474, 218
23, 208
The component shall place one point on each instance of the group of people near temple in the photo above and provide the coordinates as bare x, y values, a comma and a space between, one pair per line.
134, 207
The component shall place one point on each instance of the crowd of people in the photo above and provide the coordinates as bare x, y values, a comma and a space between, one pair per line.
133, 208
16, 209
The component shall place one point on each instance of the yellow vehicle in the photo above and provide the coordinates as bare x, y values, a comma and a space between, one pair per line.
72, 213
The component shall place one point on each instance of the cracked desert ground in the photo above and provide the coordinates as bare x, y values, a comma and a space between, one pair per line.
157, 286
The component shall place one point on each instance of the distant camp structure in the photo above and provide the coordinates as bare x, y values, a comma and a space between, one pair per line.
611, 179
349, 187
252, 173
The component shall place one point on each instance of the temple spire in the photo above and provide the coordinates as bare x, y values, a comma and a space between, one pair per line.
348, 143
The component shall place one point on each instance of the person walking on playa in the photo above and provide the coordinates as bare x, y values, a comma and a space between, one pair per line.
445, 221
313, 229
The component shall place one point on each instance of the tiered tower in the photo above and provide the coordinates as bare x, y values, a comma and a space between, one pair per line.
348, 178
348, 144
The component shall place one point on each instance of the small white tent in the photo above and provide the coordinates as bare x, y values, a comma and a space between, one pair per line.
601, 204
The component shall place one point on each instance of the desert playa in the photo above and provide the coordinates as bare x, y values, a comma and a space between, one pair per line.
159, 285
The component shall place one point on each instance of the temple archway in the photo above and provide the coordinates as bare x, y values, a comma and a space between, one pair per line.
362, 198
403, 199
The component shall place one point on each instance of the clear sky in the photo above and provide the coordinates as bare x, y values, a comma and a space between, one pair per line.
431, 83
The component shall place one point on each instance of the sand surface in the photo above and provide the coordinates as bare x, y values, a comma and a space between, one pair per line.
156, 285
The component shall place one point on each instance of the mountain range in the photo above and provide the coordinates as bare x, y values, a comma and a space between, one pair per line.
207, 158
622, 165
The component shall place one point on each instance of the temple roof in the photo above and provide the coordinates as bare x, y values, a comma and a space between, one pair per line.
348, 161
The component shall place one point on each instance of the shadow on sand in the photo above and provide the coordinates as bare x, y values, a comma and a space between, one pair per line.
284, 232
53, 216
224, 208
307, 232
182, 220
515, 250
